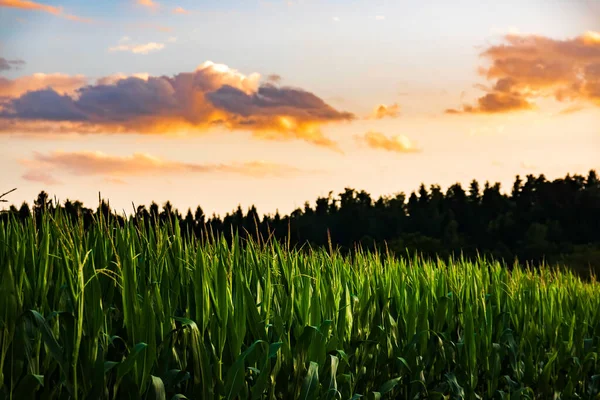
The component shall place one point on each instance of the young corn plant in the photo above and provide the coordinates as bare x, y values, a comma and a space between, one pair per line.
142, 311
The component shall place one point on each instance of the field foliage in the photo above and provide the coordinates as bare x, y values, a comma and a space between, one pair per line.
136, 311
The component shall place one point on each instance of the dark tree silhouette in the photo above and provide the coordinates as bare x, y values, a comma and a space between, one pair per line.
556, 221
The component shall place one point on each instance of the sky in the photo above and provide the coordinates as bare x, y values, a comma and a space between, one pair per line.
274, 103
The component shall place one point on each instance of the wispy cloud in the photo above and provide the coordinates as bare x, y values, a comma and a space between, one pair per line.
35, 6
572, 109
397, 143
38, 175
148, 3
144, 48
528, 165
213, 95
274, 78
6, 65
527, 67
382, 111
30, 6
114, 168
180, 10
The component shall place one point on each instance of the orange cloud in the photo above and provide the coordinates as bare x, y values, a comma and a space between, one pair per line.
35, 6
213, 95
114, 168
180, 10
31, 6
138, 48
61, 83
496, 103
78, 19
382, 111
40, 176
527, 67
397, 143
148, 3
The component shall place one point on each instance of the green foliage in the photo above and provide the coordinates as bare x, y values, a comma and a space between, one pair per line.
139, 311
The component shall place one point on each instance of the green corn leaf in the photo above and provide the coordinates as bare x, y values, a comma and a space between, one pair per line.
156, 391
124, 367
311, 382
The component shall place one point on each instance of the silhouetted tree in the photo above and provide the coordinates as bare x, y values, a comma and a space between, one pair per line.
556, 220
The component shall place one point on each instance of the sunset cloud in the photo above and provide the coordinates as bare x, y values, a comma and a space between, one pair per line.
571, 110
139, 48
30, 6
180, 10
40, 176
114, 78
528, 165
7, 65
114, 168
148, 3
397, 143
496, 102
528, 67
60, 83
382, 111
35, 6
274, 78
212, 95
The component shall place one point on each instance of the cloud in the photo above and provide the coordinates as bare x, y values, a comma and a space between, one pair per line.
125, 45
274, 78
148, 3
527, 165
382, 111
78, 19
35, 6
397, 143
571, 110
526, 67
114, 78
40, 176
496, 103
114, 168
30, 6
60, 83
211, 96
180, 10
6, 65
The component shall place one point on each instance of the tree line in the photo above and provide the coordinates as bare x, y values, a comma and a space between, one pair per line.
555, 221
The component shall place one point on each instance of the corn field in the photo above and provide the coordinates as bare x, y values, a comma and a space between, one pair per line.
142, 312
